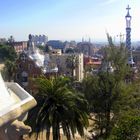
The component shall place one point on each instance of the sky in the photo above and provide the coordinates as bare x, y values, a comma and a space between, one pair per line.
68, 19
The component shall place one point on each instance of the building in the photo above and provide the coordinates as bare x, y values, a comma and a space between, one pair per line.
71, 44
20, 46
56, 52
56, 44
86, 48
92, 61
3, 40
131, 61
91, 65
28, 67
38, 40
32, 63
61, 61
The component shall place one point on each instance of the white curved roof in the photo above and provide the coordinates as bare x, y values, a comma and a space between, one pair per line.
131, 61
42, 60
38, 58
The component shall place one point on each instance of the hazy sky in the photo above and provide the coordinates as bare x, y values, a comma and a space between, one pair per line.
68, 19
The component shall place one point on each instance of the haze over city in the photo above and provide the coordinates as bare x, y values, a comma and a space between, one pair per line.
68, 19
69, 70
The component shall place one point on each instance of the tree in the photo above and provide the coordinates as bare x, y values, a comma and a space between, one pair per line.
127, 119
8, 56
7, 52
11, 40
59, 107
104, 90
117, 56
128, 128
9, 70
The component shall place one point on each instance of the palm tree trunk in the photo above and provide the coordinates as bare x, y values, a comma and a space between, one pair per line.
56, 130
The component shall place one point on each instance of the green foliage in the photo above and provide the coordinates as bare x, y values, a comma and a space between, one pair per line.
117, 56
127, 118
103, 91
59, 107
107, 90
7, 52
9, 70
11, 39
128, 128
8, 56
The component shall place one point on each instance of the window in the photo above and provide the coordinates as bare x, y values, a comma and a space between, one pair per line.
23, 57
24, 79
24, 76
17, 76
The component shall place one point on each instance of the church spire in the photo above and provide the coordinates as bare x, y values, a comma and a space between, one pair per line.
128, 28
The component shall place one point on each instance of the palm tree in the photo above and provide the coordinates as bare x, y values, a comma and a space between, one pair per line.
9, 70
71, 63
59, 107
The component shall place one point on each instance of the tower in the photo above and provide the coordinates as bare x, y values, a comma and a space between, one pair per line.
128, 29
30, 44
128, 40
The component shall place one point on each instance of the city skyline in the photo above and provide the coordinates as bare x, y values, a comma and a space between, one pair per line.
68, 20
